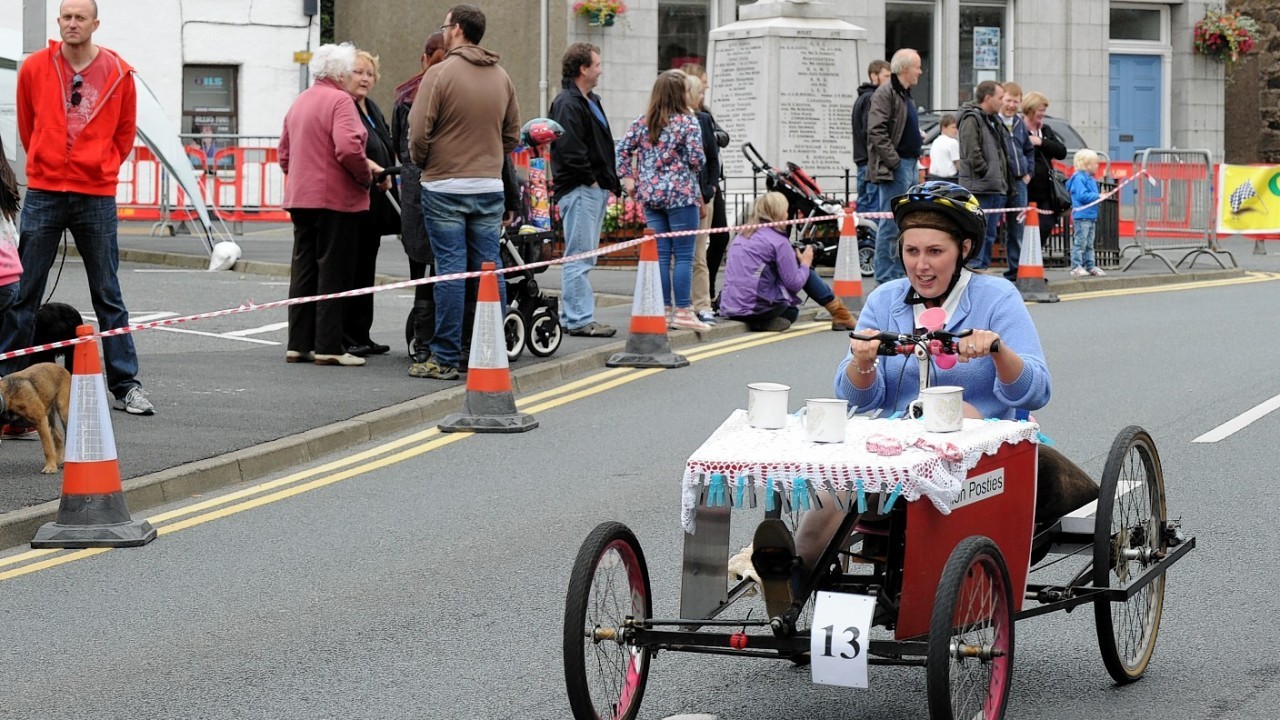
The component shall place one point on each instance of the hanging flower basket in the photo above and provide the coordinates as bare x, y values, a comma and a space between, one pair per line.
600, 13
1225, 36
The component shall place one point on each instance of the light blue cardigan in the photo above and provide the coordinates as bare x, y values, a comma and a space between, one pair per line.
988, 303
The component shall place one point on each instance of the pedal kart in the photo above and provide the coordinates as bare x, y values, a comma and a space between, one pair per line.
937, 582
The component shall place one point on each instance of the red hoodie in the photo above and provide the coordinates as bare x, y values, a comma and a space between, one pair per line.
92, 165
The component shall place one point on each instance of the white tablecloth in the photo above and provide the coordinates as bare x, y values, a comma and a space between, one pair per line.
742, 454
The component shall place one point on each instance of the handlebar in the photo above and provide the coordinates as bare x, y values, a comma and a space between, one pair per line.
939, 342
758, 164
393, 170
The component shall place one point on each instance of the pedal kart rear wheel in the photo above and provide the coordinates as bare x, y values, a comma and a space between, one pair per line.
970, 651
1129, 536
604, 675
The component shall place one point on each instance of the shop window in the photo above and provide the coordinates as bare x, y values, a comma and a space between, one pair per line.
983, 41
682, 31
209, 111
910, 25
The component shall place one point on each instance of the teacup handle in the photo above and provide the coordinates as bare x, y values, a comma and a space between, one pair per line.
915, 409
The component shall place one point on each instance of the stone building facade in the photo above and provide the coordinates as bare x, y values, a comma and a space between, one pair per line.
1123, 73
1252, 107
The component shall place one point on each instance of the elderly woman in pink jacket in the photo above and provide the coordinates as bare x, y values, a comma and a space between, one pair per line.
327, 178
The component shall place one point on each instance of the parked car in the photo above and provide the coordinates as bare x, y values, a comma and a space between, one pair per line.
929, 127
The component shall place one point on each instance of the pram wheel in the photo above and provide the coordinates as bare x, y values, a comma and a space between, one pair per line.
514, 333
544, 333
867, 250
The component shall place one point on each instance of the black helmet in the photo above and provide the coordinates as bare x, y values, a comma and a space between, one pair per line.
953, 202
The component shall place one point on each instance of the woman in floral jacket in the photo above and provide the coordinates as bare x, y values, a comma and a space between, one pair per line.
658, 163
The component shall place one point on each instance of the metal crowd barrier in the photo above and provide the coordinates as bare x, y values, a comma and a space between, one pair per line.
1175, 207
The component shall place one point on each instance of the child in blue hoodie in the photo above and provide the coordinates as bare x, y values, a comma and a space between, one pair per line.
1084, 192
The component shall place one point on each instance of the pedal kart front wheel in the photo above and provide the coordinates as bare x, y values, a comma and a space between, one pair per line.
970, 650
604, 675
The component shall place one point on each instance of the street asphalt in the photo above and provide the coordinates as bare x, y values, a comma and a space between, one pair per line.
226, 419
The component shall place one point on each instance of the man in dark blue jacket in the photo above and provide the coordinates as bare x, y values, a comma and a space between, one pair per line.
582, 166
877, 74
1021, 155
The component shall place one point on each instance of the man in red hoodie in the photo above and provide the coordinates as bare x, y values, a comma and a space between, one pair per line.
77, 112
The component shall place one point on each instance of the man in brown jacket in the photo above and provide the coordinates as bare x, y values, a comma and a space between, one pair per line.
463, 122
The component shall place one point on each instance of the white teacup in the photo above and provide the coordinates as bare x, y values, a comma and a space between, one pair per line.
767, 405
941, 408
824, 419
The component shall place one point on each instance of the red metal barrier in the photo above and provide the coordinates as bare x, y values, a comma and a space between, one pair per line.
140, 193
238, 185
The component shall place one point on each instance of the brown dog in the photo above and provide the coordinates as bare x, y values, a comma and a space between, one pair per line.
40, 395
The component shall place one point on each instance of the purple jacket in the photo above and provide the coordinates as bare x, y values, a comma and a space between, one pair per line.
762, 272
322, 151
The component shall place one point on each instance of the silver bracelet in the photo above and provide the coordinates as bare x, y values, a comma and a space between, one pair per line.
874, 366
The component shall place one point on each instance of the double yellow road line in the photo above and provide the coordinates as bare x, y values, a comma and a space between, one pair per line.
385, 454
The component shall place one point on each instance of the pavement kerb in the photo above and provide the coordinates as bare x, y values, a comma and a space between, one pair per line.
251, 464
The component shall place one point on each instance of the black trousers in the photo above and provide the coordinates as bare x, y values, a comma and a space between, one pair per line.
358, 314
718, 242
323, 252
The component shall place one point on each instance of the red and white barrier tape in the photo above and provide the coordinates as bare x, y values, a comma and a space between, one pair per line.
611, 248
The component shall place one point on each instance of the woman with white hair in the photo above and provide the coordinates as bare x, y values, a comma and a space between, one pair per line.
322, 153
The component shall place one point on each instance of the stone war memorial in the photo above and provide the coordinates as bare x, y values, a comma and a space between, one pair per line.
787, 74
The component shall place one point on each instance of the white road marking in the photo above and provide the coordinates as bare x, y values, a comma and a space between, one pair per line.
224, 336
146, 317
258, 330
1239, 422
168, 270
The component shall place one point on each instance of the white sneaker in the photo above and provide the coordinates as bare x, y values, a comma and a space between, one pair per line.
1097, 272
1078, 271
135, 402
685, 319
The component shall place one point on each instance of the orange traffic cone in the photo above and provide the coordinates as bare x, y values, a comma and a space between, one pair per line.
489, 406
1031, 282
847, 283
92, 512
648, 346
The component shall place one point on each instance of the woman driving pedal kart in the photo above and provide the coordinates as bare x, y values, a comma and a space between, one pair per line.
942, 227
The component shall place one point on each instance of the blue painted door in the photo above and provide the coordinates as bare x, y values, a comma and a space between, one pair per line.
1135, 105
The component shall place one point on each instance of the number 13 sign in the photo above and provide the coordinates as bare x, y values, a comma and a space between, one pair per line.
838, 642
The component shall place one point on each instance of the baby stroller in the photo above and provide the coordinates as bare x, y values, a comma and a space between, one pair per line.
806, 200
533, 319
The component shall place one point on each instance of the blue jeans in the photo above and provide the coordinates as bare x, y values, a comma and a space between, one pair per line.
818, 289
465, 231
988, 202
868, 193
1013, 229
680, 248
886, 260
1082, 243
92, 222
582, 211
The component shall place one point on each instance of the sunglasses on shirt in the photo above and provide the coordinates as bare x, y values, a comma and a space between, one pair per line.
76, 82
